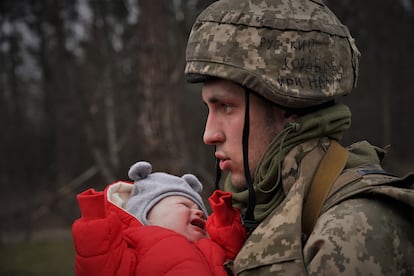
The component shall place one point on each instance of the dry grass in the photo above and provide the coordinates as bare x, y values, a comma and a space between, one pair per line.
37, 258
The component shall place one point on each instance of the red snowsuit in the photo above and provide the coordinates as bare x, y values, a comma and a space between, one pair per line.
110, 241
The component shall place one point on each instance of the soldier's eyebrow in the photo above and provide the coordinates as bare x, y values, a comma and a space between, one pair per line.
212, 99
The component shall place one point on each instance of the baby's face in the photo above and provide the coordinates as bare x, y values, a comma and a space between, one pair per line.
181, 215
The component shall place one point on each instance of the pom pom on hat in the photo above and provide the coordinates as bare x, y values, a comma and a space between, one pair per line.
139, 170
149, 188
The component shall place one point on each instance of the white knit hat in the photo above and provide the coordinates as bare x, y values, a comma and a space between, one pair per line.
149, 188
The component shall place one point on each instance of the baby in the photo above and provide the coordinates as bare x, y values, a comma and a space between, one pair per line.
157, 226
168, 201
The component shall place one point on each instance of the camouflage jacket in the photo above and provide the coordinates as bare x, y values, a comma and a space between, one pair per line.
365, 226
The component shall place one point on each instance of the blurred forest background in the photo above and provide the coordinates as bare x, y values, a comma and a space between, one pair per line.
88, 87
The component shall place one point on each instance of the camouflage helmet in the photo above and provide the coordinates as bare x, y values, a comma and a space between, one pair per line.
295, 53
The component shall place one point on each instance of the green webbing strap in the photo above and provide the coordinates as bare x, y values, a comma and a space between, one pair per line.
331, 165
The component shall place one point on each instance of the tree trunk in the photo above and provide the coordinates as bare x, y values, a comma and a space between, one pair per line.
159, 78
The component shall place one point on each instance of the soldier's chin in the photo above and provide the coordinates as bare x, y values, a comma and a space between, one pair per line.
238, 182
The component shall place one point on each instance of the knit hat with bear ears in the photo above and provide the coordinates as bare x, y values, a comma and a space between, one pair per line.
149, 188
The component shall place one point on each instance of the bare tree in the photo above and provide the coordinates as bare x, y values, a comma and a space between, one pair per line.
160, 70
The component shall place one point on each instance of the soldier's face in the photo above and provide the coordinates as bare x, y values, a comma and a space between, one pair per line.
224, 127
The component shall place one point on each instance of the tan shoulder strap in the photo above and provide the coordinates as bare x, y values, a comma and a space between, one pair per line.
331, 165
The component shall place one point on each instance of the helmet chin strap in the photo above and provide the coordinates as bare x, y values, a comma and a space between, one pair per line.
248, 220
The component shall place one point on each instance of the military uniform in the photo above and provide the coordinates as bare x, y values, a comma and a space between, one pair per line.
299, 56
365, 227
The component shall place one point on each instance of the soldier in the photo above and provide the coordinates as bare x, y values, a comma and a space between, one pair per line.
272, 73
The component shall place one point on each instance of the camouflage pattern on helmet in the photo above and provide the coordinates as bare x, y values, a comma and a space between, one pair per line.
365, 228
294, 53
